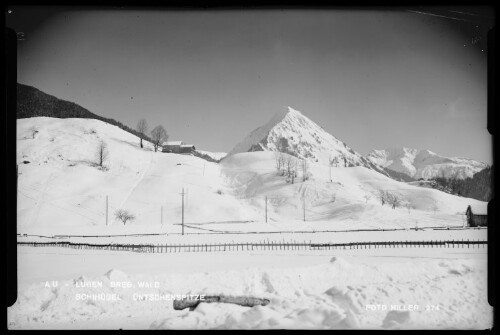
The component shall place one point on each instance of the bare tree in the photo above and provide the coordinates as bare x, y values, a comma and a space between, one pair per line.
393, 199
280, 162
124, 216
101, 153
382, 196
291, 167
158, 135
33, 131
142, 128
334, 161
305, 170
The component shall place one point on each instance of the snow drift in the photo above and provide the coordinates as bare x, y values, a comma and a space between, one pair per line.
345, 293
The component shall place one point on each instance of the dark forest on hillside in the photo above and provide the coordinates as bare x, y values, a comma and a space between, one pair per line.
478, 187
32, 102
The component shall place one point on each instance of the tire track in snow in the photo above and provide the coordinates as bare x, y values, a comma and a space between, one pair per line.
138, 181
41, 199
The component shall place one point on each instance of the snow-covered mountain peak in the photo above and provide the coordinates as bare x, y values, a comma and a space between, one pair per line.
423, 163
289, 114
292, 132
293, 111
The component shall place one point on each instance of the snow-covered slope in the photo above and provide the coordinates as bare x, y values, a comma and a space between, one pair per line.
61, 190
59, 184
351, 197
424, 163
304, 139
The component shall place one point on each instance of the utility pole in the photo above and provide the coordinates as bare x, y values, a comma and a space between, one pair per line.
266, 209
182, 210
204, 169
106, 210
304, 206
161, 216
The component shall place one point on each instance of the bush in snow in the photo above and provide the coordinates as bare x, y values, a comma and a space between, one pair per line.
33, 131
124, 216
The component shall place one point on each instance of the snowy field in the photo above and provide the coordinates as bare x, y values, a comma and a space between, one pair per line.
373, 289
61, 190
62, 194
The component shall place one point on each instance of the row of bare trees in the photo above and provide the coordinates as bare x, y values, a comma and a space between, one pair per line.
389, 198
158, 134
394, 200
335, 161
287, 165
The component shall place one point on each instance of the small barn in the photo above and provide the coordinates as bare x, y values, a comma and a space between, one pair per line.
477, 215
187, 148
177, 147
172, 146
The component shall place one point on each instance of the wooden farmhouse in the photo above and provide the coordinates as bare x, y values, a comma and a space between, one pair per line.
177, 147
477, 216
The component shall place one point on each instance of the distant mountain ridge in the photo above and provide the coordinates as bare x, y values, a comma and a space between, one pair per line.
31, 102
425, 163
292, 132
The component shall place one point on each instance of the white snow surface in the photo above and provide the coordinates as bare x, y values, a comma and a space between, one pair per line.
61, 190
425, 163
382, 289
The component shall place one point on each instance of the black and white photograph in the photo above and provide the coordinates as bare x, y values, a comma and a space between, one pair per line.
251, 168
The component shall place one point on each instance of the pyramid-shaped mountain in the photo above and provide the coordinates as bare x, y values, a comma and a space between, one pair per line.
292, 132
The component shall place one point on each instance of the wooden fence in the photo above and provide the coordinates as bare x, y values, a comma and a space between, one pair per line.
255, 246
221, 232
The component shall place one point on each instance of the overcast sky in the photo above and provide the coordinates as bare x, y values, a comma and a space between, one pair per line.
373, 79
